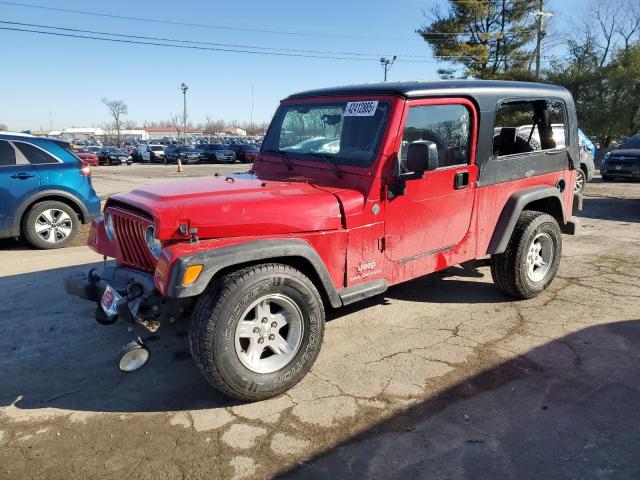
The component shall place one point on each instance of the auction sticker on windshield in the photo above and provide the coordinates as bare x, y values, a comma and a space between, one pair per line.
361, 109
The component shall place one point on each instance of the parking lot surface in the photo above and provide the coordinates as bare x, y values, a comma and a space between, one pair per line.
442, 377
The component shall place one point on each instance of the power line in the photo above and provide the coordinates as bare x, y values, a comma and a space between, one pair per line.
232, 45
227, 48
183, 24
220, 27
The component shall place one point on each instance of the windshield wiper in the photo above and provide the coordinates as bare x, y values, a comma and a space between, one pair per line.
281, 155
328, 159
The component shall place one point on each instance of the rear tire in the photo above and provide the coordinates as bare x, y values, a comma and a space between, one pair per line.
50, 224
243, 355
581, 180
532, 257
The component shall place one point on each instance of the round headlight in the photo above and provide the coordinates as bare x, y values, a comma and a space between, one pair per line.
108, 226
154, 245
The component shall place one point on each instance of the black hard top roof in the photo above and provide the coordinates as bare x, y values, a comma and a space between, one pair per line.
468, 88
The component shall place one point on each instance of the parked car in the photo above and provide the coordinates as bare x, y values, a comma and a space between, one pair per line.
215, 152
87, 157
150, 153
46, 191
622, 162
113, 156
245, 152
252, 261
185, 153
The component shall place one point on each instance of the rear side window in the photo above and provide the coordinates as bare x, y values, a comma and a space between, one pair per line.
34, 155
523, 127
7, 154
446, 125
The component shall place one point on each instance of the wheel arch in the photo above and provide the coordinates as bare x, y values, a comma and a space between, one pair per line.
49, 195
293, 252
540, 199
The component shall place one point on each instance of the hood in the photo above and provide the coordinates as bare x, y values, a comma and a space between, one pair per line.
238, 205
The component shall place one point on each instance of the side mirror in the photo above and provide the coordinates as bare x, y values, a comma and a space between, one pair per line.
422, 156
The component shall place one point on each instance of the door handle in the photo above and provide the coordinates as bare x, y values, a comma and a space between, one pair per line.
22, 175
461, 180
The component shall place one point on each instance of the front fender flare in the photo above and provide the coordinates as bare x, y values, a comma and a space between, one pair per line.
254, 251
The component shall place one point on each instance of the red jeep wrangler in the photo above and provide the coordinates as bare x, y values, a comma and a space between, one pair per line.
355, 189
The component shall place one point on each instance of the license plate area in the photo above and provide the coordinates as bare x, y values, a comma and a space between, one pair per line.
110, 301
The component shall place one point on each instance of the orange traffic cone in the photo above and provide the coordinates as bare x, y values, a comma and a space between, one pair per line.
179, 166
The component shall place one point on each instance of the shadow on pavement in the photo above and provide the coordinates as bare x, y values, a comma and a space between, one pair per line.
54, 354
611, 208
565, 410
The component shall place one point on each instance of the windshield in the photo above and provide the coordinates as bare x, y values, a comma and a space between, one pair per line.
631, 142
186, 149
156, 149
346, 132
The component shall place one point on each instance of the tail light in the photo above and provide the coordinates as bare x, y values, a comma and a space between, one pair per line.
85, 169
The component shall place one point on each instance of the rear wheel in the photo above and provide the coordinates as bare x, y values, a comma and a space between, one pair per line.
581, 179
532, 257
256, 333
50, 224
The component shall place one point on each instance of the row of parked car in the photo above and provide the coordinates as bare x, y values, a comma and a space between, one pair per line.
202, 153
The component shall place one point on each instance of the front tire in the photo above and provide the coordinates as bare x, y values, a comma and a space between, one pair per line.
239, 352
50, 224
532, 257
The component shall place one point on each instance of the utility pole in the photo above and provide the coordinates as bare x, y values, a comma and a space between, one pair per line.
541, 14
184, 88
50, 121
386, 64
251, 117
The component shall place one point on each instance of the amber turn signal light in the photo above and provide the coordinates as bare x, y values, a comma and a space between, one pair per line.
191, 274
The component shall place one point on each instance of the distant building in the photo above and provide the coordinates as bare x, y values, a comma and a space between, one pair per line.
160, 132
235, 131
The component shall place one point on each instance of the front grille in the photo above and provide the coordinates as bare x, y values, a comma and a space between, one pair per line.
623, 161
130, 232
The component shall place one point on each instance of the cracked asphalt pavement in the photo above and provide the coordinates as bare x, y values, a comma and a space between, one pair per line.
442, 377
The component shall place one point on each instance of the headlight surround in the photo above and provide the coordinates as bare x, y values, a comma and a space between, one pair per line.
108, 226
153, 244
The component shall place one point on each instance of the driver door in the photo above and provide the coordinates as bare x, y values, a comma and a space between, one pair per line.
434, 213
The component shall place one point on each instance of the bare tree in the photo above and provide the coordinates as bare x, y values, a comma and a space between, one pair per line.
177, 123
117, 108
129, 125
3, 127
619, 25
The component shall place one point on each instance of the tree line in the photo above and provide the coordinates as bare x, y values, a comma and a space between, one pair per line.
596, 56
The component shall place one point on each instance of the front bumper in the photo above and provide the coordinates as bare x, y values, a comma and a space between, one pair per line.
629, 172
141, 302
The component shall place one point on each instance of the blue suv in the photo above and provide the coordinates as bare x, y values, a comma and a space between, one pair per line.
45, 190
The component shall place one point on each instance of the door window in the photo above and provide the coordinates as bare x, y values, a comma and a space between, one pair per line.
446, 125
34, 155
7, 154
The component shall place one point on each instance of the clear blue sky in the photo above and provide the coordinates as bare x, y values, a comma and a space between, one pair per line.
68, 77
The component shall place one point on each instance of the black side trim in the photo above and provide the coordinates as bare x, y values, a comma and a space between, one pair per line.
511, 212
360, 292
425, 254
257, 250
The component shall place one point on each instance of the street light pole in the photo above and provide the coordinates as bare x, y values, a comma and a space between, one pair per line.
184, 88
541, 14
386, 64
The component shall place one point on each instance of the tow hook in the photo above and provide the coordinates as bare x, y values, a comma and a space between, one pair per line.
134, 306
